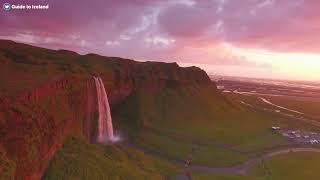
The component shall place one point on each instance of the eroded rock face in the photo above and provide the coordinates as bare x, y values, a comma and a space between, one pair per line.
34, 123
150, 77
52, 87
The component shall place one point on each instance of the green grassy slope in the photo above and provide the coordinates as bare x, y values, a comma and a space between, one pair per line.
291, 166
199, 112
24, 68
169, 120
79, 160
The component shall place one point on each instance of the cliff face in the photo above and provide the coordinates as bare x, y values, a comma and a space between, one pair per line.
35, 124
44, 96
150, 77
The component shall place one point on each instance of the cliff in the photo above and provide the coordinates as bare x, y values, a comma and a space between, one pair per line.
25, 68
150, 77
43, 97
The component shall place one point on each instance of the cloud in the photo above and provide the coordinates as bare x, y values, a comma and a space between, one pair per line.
159, 41
112, 43
275, 25
183, 20
182, 30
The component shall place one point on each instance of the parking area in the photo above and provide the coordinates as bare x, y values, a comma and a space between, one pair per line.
301, 136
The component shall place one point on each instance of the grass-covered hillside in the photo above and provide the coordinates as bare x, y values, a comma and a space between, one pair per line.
43, 101
162, 112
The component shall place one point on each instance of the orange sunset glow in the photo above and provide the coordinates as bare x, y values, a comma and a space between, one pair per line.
252, 38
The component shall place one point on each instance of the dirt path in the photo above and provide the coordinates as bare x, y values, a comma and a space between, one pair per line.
239, 169
242, 168
278, 106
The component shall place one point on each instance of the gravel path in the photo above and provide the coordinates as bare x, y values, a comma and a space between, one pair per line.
242, 168
239, 169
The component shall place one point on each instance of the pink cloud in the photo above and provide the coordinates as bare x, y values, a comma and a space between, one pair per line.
84, 26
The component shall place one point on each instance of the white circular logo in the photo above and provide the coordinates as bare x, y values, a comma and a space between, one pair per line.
6, 6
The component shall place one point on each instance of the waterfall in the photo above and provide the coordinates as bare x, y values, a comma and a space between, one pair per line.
105, 129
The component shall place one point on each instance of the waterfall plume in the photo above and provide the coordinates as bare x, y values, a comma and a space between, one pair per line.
105, 128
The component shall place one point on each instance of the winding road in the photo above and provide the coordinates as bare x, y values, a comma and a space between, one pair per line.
242, 168
281, 107
239, 169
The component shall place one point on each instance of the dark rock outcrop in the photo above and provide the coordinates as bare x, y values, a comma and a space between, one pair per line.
150, 77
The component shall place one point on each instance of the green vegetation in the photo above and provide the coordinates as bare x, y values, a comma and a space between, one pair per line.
169, 120
284, 122
7, 167
80, 160
207, 176
195, 112
294, 166
291, 166
171, 147
218, 157
309, 107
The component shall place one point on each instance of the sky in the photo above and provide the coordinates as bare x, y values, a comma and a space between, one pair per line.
278, 39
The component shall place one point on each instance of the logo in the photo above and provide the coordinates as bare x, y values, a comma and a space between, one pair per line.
6, 6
